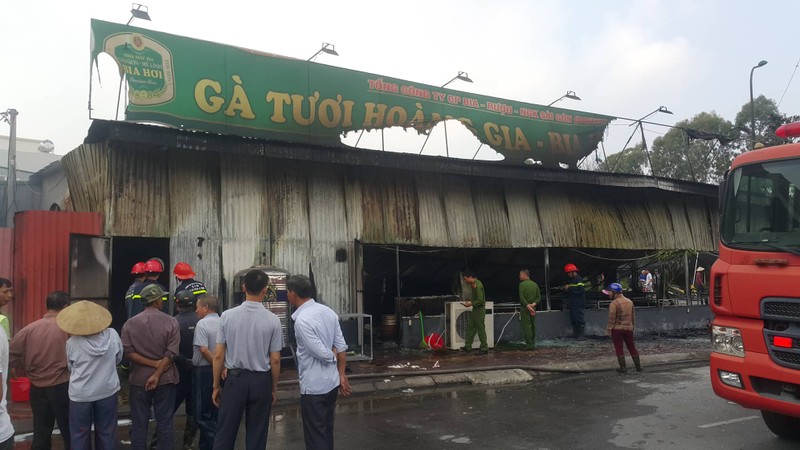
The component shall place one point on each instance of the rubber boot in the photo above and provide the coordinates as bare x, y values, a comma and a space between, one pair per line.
637, 363
622, 369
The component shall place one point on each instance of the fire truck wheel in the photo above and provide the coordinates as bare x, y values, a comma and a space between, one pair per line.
786, 427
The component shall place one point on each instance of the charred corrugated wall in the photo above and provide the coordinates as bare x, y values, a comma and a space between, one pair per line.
227, 211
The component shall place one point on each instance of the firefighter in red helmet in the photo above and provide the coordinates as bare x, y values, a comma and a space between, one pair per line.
153, 268
576, 299
184, 275
134, 307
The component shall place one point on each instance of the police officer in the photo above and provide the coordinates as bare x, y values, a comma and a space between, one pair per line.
184, 276
477, 319
576, 298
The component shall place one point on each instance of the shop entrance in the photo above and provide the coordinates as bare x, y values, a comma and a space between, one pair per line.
125, 252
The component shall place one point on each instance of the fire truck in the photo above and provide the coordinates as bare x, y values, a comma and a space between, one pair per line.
755, 286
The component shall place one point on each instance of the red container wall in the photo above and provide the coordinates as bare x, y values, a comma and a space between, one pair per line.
41, 257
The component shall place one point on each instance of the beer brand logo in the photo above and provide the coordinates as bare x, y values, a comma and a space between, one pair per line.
146, 64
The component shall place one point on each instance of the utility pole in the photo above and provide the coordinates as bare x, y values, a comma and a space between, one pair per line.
10, 116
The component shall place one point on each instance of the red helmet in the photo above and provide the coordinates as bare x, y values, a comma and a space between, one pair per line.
138, 268
183, 271
153, 266
570, 268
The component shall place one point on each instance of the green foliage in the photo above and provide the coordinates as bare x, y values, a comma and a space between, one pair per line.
675, 155
768, 119
630, 160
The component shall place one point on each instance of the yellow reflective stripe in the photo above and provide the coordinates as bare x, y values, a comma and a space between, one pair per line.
136, 296
199, 291
577, 284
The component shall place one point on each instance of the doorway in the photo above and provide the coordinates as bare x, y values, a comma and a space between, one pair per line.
125, 252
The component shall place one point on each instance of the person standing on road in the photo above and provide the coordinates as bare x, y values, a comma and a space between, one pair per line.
477, 319
576, 299
151, 339
6, 427
321, 362
529, 297
40, 348
621, 321
249, 344
187, 321
93, 352
205, 341
6, 295
184, 275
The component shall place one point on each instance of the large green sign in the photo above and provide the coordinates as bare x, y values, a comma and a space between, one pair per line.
201, 85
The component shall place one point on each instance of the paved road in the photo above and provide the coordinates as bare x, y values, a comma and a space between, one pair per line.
670, 409
661, 409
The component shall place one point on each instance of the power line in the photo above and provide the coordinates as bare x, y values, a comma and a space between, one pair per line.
789, 83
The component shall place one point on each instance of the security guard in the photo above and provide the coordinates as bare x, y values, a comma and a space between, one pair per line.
184, 275
576, 298
477, 319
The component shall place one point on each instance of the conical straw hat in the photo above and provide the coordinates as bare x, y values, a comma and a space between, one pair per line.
83, 318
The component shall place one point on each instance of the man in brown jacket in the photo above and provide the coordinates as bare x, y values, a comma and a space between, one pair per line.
41, 349
621, 320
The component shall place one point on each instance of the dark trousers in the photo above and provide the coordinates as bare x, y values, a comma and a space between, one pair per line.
576, 313
8, 444
618, 336
205, 413
100, 413
250, 393
50, 405
162, 399
317, 412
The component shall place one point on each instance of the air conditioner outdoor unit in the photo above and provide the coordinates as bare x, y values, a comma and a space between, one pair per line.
457, 316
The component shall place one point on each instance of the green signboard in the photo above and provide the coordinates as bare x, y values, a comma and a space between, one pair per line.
206, 86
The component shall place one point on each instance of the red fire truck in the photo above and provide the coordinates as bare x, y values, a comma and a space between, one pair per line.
755, 286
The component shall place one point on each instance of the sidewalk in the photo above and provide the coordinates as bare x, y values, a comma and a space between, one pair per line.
395, 370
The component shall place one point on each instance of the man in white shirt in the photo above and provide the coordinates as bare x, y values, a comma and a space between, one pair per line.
6, 429
321, 361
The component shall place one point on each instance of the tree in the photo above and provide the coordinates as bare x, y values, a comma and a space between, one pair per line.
768, 119
699, 149
630, 160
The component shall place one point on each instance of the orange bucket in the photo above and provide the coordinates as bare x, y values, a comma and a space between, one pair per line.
20, 389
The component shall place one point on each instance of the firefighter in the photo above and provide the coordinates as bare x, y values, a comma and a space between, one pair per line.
134, 307
187, 321
477, 322
576, 297
153, 269
184, 275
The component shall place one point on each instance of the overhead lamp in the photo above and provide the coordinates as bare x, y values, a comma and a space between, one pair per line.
570, 95
138, 11
461, 76
326, 48
761, 63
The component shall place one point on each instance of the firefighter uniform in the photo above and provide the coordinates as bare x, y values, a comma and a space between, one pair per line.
576, 299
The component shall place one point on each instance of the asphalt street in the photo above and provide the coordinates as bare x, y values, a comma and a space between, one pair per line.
668, 408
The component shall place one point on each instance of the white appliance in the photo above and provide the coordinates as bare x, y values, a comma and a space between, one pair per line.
456, 316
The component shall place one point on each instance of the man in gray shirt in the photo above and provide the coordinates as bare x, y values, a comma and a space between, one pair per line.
249, 343
205, 341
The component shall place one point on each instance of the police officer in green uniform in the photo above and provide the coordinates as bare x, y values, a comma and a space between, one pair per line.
576, 298
477, 319
529, 296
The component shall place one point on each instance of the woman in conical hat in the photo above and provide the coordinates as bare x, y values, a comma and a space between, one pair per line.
93, 353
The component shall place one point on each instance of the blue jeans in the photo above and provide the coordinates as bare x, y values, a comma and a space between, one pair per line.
101, 413
205, 412
162, 399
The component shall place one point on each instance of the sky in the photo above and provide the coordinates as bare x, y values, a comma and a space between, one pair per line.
624, 58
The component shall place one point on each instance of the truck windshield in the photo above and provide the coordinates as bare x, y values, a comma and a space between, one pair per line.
762, 207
